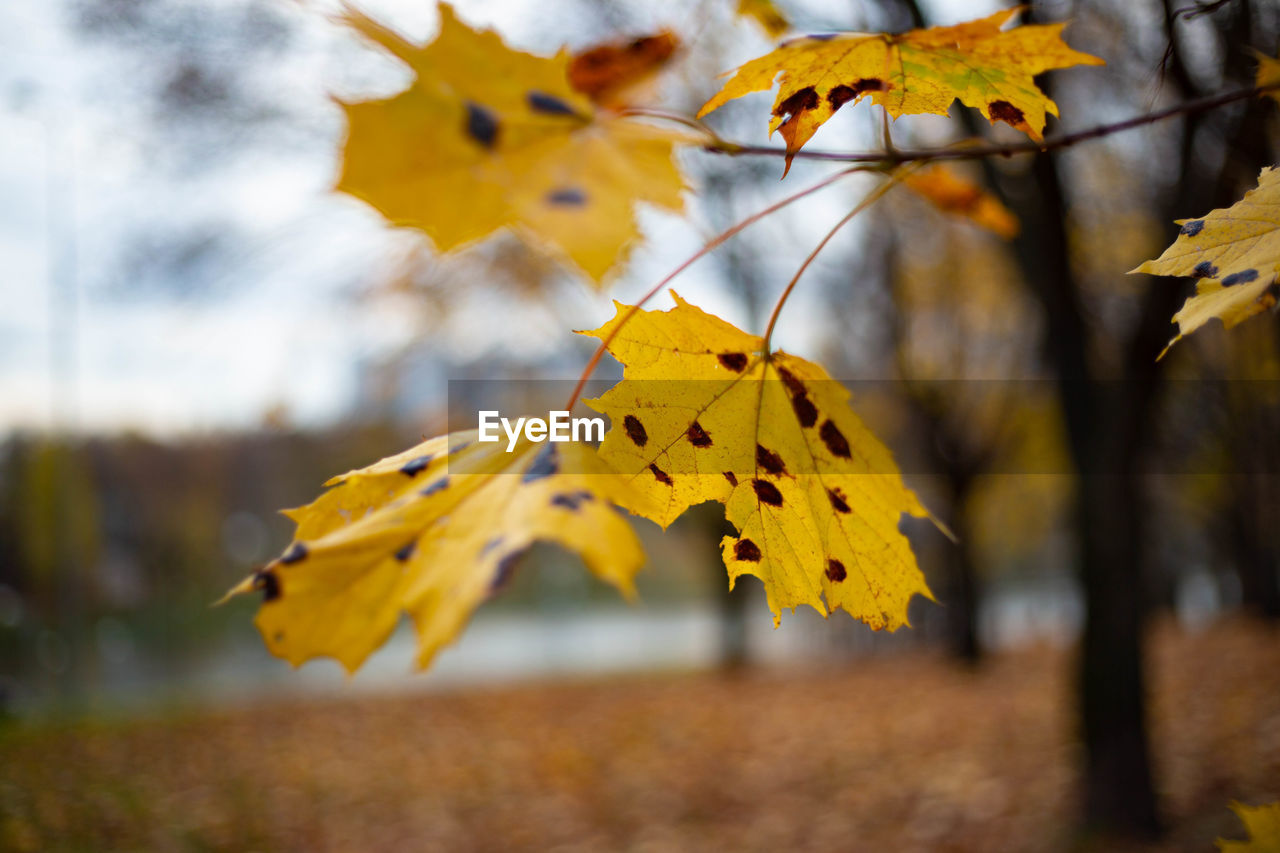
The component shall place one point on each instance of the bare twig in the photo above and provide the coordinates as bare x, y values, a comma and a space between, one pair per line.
980, 151
711, 244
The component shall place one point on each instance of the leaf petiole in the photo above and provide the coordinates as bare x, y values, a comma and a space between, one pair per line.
706, 249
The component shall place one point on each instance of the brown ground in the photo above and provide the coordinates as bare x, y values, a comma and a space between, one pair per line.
898, 752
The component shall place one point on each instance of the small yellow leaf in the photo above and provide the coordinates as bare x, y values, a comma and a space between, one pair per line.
434, 533
1231, 305
1234, 251
766, 14
1263, 825
702, 413
1268, 74
619, 73
922, 71
487, 137
953, 194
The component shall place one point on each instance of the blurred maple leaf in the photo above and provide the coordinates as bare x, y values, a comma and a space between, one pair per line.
953, 194
1235, 254
766, 14
620, 73
1263, 824
703, 413
434, 531
1268, 74
488, 137
921, 71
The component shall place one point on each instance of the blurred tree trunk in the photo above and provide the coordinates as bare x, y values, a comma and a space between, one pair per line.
1106, 423
962, 575
1104, 432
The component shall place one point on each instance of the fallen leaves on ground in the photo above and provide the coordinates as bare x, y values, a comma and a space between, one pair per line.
434, 532
704, 413
897, 751
921, 71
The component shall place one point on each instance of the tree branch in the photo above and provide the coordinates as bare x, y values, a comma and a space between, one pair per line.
977, 152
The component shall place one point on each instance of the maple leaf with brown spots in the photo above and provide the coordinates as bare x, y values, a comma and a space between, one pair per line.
921, 71
434, 532
704, 413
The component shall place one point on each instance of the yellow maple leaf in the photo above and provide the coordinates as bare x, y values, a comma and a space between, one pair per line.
703, 413
951, 193
434, 531
1263, 824
921, 71
1234, 251
488, 137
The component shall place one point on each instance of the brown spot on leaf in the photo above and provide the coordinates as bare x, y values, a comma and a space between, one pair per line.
1006, 112
296, 554
842, 94
504, 570
697, 435
732, 478
835, 571
806, 411
1240, 277
660, 475
746, 551
415, 466
837, 500
572, 500
569, 502
769, 461
406, 552
1204, 269
567, 197
799, 101
635, 430
541, 102
794, 386
1192, 228
436, 487
546, 463
735, 361
267, 581
482, 125
834, 439
767, 492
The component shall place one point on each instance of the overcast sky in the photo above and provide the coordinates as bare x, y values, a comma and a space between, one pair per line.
211, 279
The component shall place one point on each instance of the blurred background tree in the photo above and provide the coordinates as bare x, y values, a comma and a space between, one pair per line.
1091, 486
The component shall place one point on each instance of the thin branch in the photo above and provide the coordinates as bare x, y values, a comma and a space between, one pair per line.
872, 197
711, 244
979, 151
1187, 13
